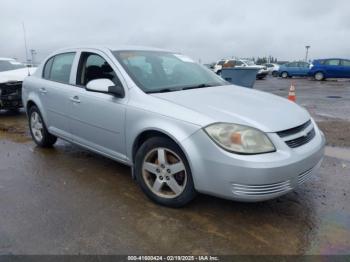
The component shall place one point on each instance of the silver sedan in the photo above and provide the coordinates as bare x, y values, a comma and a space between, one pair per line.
181, 128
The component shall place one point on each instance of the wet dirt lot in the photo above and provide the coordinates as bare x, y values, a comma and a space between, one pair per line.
66, 200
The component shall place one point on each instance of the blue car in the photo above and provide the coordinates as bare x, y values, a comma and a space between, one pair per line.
330, 68
294, 69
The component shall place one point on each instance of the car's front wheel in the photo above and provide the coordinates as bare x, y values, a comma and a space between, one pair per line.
319, 76
163, 173
38, 129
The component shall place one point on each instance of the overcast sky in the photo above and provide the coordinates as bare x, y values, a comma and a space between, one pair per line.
203, 29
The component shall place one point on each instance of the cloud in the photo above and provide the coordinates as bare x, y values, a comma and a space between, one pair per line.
204, 29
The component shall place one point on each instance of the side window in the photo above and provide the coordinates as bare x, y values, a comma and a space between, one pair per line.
47, 68
239, 63
93, 66
303, 64
345, 62
61, 67
332, 62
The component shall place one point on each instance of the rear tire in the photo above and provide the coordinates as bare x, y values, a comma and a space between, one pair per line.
163, 173
38, 129
319, 76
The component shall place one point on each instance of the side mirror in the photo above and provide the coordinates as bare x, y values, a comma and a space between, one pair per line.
105, 85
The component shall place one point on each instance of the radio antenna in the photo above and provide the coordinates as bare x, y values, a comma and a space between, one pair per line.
25, 46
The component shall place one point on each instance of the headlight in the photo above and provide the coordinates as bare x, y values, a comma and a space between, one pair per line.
240, 139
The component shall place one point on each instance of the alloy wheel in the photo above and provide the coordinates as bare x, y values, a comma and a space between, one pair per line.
36, 125
164, 173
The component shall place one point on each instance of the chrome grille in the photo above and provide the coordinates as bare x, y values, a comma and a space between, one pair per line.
298, 136
294, 130
261, 190
301, 140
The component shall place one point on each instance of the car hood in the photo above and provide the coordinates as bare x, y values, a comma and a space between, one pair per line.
234, 104
15, 75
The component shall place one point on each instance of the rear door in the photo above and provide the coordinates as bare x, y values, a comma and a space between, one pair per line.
345, 67
303, 68
98, 119
54, 93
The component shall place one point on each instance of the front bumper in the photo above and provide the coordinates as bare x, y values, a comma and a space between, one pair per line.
262, 73
251, 177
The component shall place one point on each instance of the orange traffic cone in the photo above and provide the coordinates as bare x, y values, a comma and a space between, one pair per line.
291, 94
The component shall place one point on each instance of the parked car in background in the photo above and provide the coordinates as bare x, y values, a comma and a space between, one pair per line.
12, 74
294, 69
330, 68
272, 68
218, 66
241, 63
180, 127
210, 66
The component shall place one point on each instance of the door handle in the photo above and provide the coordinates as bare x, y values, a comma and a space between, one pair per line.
75, 99
43, 90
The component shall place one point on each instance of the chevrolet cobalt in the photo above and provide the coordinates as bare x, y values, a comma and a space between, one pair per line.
180, 127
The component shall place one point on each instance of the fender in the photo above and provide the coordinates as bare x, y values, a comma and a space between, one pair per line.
177, 130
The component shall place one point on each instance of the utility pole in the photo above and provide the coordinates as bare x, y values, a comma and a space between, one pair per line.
25, 42
307, 52
33, 53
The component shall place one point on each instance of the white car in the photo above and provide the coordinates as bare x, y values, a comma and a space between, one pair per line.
239, 63
262, 73
272, 68
12, 73
218, 66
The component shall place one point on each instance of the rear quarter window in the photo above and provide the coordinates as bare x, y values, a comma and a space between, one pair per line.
58, 68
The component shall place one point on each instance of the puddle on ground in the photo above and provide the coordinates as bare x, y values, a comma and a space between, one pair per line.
13, 126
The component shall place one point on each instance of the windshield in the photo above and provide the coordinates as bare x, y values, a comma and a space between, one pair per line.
156, 71
248, 62
6, 65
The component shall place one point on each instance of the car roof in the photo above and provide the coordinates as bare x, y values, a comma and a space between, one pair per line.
112, 48
6, 59
332, 58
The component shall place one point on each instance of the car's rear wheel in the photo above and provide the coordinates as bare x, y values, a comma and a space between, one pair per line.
163, 173
284, 75
319, 76
38, 129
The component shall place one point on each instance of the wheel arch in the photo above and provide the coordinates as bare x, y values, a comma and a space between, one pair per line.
146, 134
34, 100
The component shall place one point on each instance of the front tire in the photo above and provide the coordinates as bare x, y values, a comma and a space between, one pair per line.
163, 173
38, 129
319, 76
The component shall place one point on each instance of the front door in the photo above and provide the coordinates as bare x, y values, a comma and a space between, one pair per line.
98, 119
332, 68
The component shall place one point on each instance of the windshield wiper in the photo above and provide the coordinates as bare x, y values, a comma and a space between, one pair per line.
163, 90
196, 86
